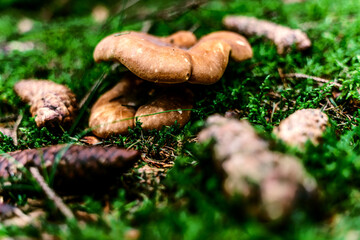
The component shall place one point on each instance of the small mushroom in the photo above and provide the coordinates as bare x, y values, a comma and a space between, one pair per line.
133, 99
155, 59
52, 104
301, 126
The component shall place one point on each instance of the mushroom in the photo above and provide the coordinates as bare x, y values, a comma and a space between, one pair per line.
52, 104
301, 126
164, 60
134, 99
161, 60
114, 111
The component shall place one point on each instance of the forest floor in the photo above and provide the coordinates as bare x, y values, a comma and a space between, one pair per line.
172, 193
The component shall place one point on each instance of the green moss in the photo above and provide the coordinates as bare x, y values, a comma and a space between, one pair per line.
188, 203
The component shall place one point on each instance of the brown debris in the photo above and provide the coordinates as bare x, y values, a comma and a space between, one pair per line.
305, 76
21, 220
52, 104
283, 37
80, 168
301, 126
270, 183
90, 140
153, 59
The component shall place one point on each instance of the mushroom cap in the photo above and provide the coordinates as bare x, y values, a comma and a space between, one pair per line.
150, 114
146, 56
181, 39
114, 111
240, 47
156, 60
109, 119
209, 60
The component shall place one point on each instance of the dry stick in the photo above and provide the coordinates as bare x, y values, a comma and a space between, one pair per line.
16, 126
300, 75
51, 194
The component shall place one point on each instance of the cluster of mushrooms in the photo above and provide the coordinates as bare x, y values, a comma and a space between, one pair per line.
165, 61
154, 93
156, 89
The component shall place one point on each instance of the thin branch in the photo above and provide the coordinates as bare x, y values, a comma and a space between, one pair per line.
300, 75
51, 194
16, 126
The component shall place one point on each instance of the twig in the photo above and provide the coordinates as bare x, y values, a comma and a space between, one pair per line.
51, 194
300, 75
16, 126
157, 164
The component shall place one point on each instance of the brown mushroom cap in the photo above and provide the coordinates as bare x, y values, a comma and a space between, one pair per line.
181, 39
152, 59
148, 57
114, 111
150, 114
240, 47
209, 60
